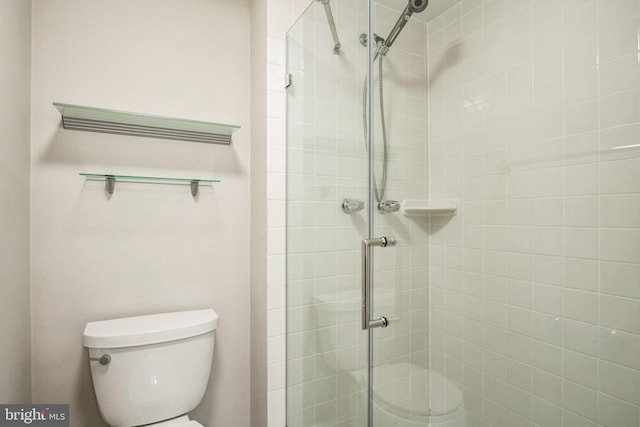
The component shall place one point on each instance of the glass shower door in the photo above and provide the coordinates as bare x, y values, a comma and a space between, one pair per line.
346, 367
326, 218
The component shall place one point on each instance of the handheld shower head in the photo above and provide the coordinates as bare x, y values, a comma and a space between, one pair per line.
418, 6
414, 6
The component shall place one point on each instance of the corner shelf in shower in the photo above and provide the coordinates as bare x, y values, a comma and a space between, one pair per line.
78, 117
441, 207
110, 181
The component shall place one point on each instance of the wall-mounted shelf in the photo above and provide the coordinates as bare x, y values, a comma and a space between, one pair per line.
78, 117
110, 181
442, 207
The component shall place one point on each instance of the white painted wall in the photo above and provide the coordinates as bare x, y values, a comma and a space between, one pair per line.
149, 248
15, 40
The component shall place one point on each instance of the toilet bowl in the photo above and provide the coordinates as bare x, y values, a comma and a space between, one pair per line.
182, 421
151, 370
437, 402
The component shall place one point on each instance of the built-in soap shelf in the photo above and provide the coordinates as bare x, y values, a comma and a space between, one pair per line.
79, 117
438, 207
110, 181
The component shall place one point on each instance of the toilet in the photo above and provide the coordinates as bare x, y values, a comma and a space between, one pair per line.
437, 402
151, 370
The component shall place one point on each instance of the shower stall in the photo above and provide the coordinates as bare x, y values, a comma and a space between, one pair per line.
463, 214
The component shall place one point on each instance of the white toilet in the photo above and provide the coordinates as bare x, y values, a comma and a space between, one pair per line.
436, 400
151, 370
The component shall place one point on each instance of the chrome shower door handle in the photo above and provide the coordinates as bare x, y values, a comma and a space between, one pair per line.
367, 322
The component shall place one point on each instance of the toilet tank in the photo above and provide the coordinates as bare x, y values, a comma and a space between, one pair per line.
157, 366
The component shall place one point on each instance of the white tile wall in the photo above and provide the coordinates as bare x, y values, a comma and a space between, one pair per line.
527, 102
280, 15
548, 225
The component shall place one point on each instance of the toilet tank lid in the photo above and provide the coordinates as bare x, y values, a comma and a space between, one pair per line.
150, 329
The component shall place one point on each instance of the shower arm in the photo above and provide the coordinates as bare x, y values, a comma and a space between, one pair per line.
332, 26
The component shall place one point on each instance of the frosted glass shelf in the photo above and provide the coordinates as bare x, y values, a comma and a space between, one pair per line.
78, 117
110, 181
442, 207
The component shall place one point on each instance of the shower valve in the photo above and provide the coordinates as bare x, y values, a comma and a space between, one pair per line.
388, 206
351, 206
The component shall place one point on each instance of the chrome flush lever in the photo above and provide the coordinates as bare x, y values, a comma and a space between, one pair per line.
105, 359
367, 322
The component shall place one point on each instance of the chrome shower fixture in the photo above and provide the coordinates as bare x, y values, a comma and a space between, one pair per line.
332, 26
351, 206
363, 39
388, 206
414, 6
382, 47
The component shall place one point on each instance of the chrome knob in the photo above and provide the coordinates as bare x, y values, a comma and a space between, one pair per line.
351, 206
388, 206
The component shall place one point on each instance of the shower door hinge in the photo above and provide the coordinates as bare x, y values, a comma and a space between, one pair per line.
287, 80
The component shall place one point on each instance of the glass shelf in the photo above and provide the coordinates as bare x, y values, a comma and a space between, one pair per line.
110, 180
78, 117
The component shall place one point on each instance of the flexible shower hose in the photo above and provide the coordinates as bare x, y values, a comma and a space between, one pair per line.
378, 193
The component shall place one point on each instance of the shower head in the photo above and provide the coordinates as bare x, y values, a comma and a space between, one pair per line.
418, 6
414, 6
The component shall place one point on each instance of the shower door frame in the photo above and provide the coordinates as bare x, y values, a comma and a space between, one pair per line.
370, 138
